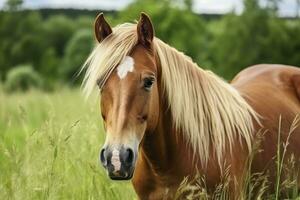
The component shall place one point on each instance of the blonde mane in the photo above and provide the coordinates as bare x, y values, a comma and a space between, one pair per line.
207, 109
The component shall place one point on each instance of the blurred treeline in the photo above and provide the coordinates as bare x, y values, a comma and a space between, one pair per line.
53, 47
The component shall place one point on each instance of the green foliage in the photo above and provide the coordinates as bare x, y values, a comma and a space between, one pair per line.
13, 5
291, 52
22, 78
56, 46
58, 30
21, 39
254, 37
77, 50
188, 4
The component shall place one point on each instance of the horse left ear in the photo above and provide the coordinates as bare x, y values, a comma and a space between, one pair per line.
145, 30
102, 28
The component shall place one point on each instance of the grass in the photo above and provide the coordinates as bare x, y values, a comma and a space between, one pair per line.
49, 145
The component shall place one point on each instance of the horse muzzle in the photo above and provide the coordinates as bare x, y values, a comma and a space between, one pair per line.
118, 161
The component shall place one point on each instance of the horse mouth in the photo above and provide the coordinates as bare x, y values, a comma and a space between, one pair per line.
121, 176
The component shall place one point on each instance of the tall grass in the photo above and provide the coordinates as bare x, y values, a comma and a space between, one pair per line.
49, 145
281, 155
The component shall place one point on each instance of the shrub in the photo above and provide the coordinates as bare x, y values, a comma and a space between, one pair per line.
22, 78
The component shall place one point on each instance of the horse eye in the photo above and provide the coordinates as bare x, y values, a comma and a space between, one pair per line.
148, 82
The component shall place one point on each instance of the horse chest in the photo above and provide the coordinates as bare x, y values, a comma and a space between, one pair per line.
164, 193
149, 185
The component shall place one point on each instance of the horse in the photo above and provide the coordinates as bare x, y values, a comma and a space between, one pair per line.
166, 118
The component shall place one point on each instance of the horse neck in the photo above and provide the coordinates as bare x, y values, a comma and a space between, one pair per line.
165, 146
159, 146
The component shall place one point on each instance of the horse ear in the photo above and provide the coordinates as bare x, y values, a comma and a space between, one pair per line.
145, 30
102, 28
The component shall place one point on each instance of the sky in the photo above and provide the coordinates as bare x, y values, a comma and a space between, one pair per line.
287, 7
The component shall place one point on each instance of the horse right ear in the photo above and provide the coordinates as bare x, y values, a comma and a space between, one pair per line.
102, 28
145, 30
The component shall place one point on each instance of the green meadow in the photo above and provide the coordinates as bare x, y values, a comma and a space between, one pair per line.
49, 145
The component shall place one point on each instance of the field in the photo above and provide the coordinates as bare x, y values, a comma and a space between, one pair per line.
49, 144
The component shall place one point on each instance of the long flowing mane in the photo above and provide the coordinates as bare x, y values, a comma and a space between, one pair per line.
210, 112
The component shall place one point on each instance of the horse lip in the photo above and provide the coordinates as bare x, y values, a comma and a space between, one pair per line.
119, 177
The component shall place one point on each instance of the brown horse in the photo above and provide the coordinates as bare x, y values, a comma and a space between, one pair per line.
167, 119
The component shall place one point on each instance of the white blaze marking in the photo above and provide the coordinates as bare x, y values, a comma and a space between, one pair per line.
125, 67
115, 160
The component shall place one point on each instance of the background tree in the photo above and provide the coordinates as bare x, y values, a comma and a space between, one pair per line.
13, 5
56, 42
188, 4
58, 30
242, 39
77, 50
22, 39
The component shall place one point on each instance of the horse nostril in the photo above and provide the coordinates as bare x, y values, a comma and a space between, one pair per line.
129, 156
102, 157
